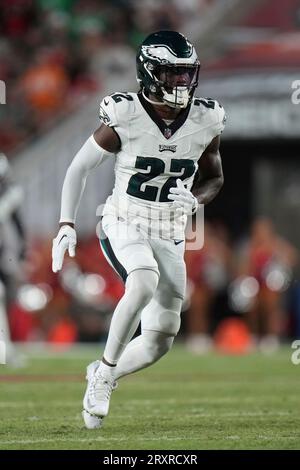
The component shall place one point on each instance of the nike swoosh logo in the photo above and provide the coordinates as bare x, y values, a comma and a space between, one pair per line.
178, 241
106, 102
62, 238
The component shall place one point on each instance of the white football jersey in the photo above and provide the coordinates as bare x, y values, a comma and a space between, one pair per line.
154, 155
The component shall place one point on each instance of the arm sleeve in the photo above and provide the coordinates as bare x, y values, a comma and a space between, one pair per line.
89, 157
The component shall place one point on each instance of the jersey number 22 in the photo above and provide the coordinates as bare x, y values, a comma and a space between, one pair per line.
156, 167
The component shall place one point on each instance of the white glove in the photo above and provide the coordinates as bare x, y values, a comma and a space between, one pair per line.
66, 240
183, 199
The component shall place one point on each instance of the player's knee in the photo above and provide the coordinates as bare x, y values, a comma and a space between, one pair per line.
142, 285
169, 322
156, 345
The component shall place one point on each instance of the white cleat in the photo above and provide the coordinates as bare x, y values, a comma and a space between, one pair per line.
91, 421
97, 397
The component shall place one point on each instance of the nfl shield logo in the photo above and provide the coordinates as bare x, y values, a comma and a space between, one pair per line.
167, 133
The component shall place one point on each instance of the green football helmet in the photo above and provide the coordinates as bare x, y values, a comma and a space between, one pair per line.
168, 68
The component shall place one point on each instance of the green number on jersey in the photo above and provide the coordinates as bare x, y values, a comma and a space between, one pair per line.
208, 103
156, 167
117, 97
177, 166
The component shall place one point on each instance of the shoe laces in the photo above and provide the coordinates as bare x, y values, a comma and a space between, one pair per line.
99, 385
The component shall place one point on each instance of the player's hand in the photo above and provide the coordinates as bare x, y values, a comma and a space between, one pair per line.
183, 199
66, 240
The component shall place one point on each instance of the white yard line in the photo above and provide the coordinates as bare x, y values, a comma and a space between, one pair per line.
90, 439
143, 402
130, 404
186, 417
125, 439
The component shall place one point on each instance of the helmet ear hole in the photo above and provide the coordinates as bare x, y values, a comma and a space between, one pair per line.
150, 66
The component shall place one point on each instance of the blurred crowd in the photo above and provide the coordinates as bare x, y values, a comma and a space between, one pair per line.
242, 294
46, 49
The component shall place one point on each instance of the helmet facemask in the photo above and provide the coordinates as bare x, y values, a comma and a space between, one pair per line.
175, 84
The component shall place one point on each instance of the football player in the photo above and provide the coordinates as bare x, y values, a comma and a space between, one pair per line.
165, 143
12, 252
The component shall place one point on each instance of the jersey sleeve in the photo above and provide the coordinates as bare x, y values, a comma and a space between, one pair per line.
107, 112
220, 118
115, 111
212, 115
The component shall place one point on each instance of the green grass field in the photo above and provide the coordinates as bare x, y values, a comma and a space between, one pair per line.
182, 402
